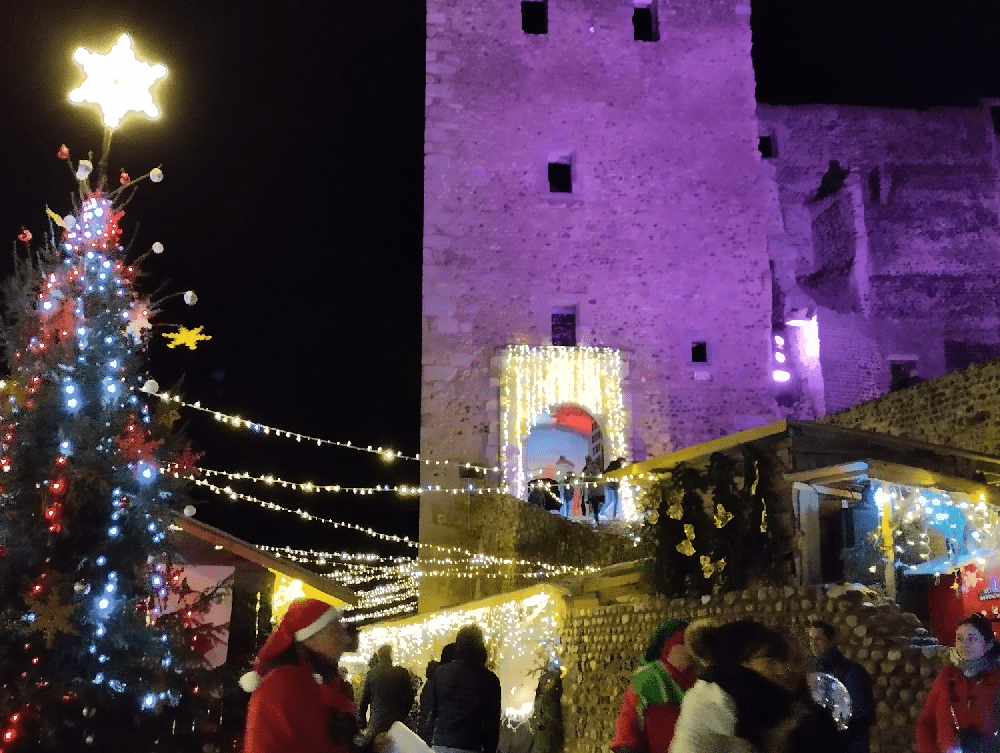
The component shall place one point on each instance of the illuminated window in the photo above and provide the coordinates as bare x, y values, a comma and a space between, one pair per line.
535, 16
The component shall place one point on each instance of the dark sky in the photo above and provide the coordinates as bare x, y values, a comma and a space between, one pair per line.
292, 144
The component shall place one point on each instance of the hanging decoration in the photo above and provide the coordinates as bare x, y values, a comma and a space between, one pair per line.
185, 336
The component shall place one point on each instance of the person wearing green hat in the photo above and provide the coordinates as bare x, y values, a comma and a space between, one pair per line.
653, 698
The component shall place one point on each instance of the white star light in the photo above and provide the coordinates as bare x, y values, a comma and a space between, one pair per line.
117, 83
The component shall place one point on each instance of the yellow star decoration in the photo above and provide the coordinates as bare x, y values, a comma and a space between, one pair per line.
686, 547
52, 618
722, 516
117, 82
189, 337
708, 567
12, 395
166, 418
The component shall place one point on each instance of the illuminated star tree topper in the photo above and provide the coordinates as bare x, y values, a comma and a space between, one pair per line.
117, 83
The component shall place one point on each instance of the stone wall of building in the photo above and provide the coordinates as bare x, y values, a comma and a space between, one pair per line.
602, 646
659, 244
921, 188
503, 526
961, 410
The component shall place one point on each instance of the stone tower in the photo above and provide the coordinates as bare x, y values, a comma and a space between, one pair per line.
594, 234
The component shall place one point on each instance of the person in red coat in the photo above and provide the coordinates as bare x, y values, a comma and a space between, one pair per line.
652, 700
300, 703
960, 708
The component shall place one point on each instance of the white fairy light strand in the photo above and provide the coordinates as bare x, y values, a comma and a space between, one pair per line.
305, 515
408, 568
256, 427
307, 486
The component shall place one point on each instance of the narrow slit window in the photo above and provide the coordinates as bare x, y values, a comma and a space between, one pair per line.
699, 352
995, 117
766, 146
564, 326
561, 176
645, 24
535, 16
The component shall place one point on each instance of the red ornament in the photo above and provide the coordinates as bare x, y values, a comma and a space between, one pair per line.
124, 179
63, 152
55, 527
69, 697
187, 462
25, 236
3, 551
137, 445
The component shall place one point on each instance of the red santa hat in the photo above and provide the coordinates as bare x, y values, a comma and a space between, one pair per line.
304, 619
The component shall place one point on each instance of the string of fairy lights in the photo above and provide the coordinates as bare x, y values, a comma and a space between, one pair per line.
387, 454
402, 490
398, 578
232, 494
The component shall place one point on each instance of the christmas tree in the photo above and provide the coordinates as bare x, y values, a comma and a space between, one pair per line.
88, 659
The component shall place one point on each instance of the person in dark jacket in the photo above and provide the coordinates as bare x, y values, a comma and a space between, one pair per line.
828, 659
387, 691
465, 711
753, 697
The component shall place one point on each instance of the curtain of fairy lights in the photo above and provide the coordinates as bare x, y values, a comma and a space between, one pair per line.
537, 380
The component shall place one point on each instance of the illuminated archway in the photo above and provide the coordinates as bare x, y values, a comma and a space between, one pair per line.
535, 381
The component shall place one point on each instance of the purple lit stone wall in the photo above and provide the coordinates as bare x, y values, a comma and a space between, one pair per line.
919, 205
660, 244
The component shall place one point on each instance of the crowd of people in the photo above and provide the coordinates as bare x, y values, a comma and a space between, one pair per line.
301, 703
573, 495
743, 687
733, 687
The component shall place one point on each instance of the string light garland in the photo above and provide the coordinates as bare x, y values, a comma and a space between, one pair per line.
387, 454
522, 631
933, 530
406, 540
400, 489
354, 573
309, 487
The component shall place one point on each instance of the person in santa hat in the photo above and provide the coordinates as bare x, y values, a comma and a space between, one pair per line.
300, 703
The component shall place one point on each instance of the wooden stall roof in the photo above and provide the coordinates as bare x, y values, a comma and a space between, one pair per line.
209, 545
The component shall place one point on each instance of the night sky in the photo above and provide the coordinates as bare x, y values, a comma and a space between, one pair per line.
292, 142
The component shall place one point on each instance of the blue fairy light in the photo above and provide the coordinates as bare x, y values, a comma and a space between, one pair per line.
149, 701
98, 678
114, 531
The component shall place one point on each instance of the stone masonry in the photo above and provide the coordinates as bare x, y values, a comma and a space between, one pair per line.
602, 646
659, 244
899, 264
